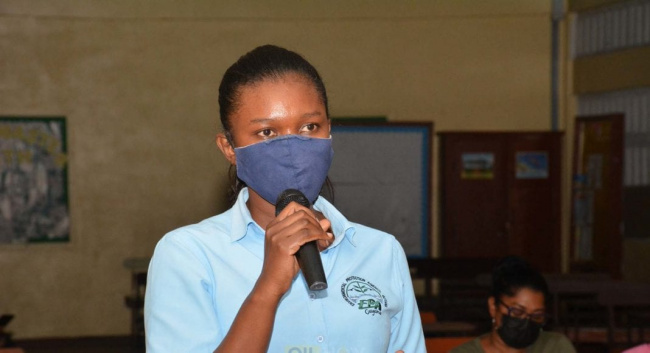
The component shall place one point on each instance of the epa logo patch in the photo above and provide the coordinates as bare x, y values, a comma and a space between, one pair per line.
364, 295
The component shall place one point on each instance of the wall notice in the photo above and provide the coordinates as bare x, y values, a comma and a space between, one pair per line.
33, 180
477, 166
532, 165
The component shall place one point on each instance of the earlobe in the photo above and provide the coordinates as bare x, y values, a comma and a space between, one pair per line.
226, 148
492, 307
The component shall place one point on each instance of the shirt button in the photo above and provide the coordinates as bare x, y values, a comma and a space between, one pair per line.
312, 296
320, 339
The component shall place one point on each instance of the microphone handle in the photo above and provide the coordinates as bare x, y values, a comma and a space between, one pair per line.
311, 265
308, 255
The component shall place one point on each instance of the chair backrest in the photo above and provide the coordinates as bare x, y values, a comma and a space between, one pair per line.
4, 320
139, 284
625, 294
451, 268
444, 344
428, 317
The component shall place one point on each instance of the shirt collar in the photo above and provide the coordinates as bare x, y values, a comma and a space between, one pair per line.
341, 227
241, 216
241, 219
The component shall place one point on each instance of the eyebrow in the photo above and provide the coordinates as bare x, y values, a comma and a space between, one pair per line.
540, 310
304, 116
309, 115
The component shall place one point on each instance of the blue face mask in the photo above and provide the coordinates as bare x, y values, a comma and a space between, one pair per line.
287, 162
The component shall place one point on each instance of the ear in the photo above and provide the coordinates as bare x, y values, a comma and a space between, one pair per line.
492, 307
226, 148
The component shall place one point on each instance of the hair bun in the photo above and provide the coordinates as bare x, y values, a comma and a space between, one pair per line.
511, 264
513, 273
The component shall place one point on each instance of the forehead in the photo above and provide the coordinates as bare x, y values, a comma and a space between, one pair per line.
277, 83
526, 297
290, 91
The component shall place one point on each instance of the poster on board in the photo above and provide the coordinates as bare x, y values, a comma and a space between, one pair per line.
33, 180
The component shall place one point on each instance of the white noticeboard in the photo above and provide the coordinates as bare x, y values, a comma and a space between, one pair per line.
381, 175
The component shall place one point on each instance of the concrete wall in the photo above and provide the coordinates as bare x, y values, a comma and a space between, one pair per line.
138, 82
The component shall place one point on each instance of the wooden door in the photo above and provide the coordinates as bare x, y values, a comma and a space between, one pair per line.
534, 198
501, 196
473, 196
597, 217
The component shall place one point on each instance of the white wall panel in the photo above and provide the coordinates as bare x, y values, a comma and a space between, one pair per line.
620, 26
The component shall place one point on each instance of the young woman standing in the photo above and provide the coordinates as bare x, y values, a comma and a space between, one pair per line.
231, 283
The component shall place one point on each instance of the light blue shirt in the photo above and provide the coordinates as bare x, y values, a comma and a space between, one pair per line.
200, 274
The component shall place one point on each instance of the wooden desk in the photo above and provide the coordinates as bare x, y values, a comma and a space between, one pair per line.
611, 297
460, 297
449, 328
449, 269
629, 300
586, 285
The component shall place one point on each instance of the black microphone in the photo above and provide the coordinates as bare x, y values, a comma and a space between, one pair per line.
308, 255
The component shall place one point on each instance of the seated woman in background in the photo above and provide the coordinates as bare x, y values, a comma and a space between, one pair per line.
518, 311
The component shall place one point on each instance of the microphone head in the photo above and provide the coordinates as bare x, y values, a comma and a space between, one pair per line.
288, 196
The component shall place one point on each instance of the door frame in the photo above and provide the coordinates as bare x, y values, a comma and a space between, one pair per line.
613, 261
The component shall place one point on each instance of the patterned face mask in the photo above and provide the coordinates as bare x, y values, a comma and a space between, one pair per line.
287, 162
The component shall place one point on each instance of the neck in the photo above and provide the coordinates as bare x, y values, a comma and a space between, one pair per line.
262, 211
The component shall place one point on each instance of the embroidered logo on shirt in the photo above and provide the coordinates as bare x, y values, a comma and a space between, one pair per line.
364, 295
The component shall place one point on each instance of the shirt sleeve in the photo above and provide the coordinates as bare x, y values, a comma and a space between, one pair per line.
406, 330
179, 312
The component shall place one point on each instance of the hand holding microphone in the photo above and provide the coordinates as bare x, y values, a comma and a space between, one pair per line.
308, 255
294, 226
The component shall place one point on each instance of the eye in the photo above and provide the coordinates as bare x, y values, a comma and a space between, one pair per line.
539, 317
265, 133
517, 312
311, 127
